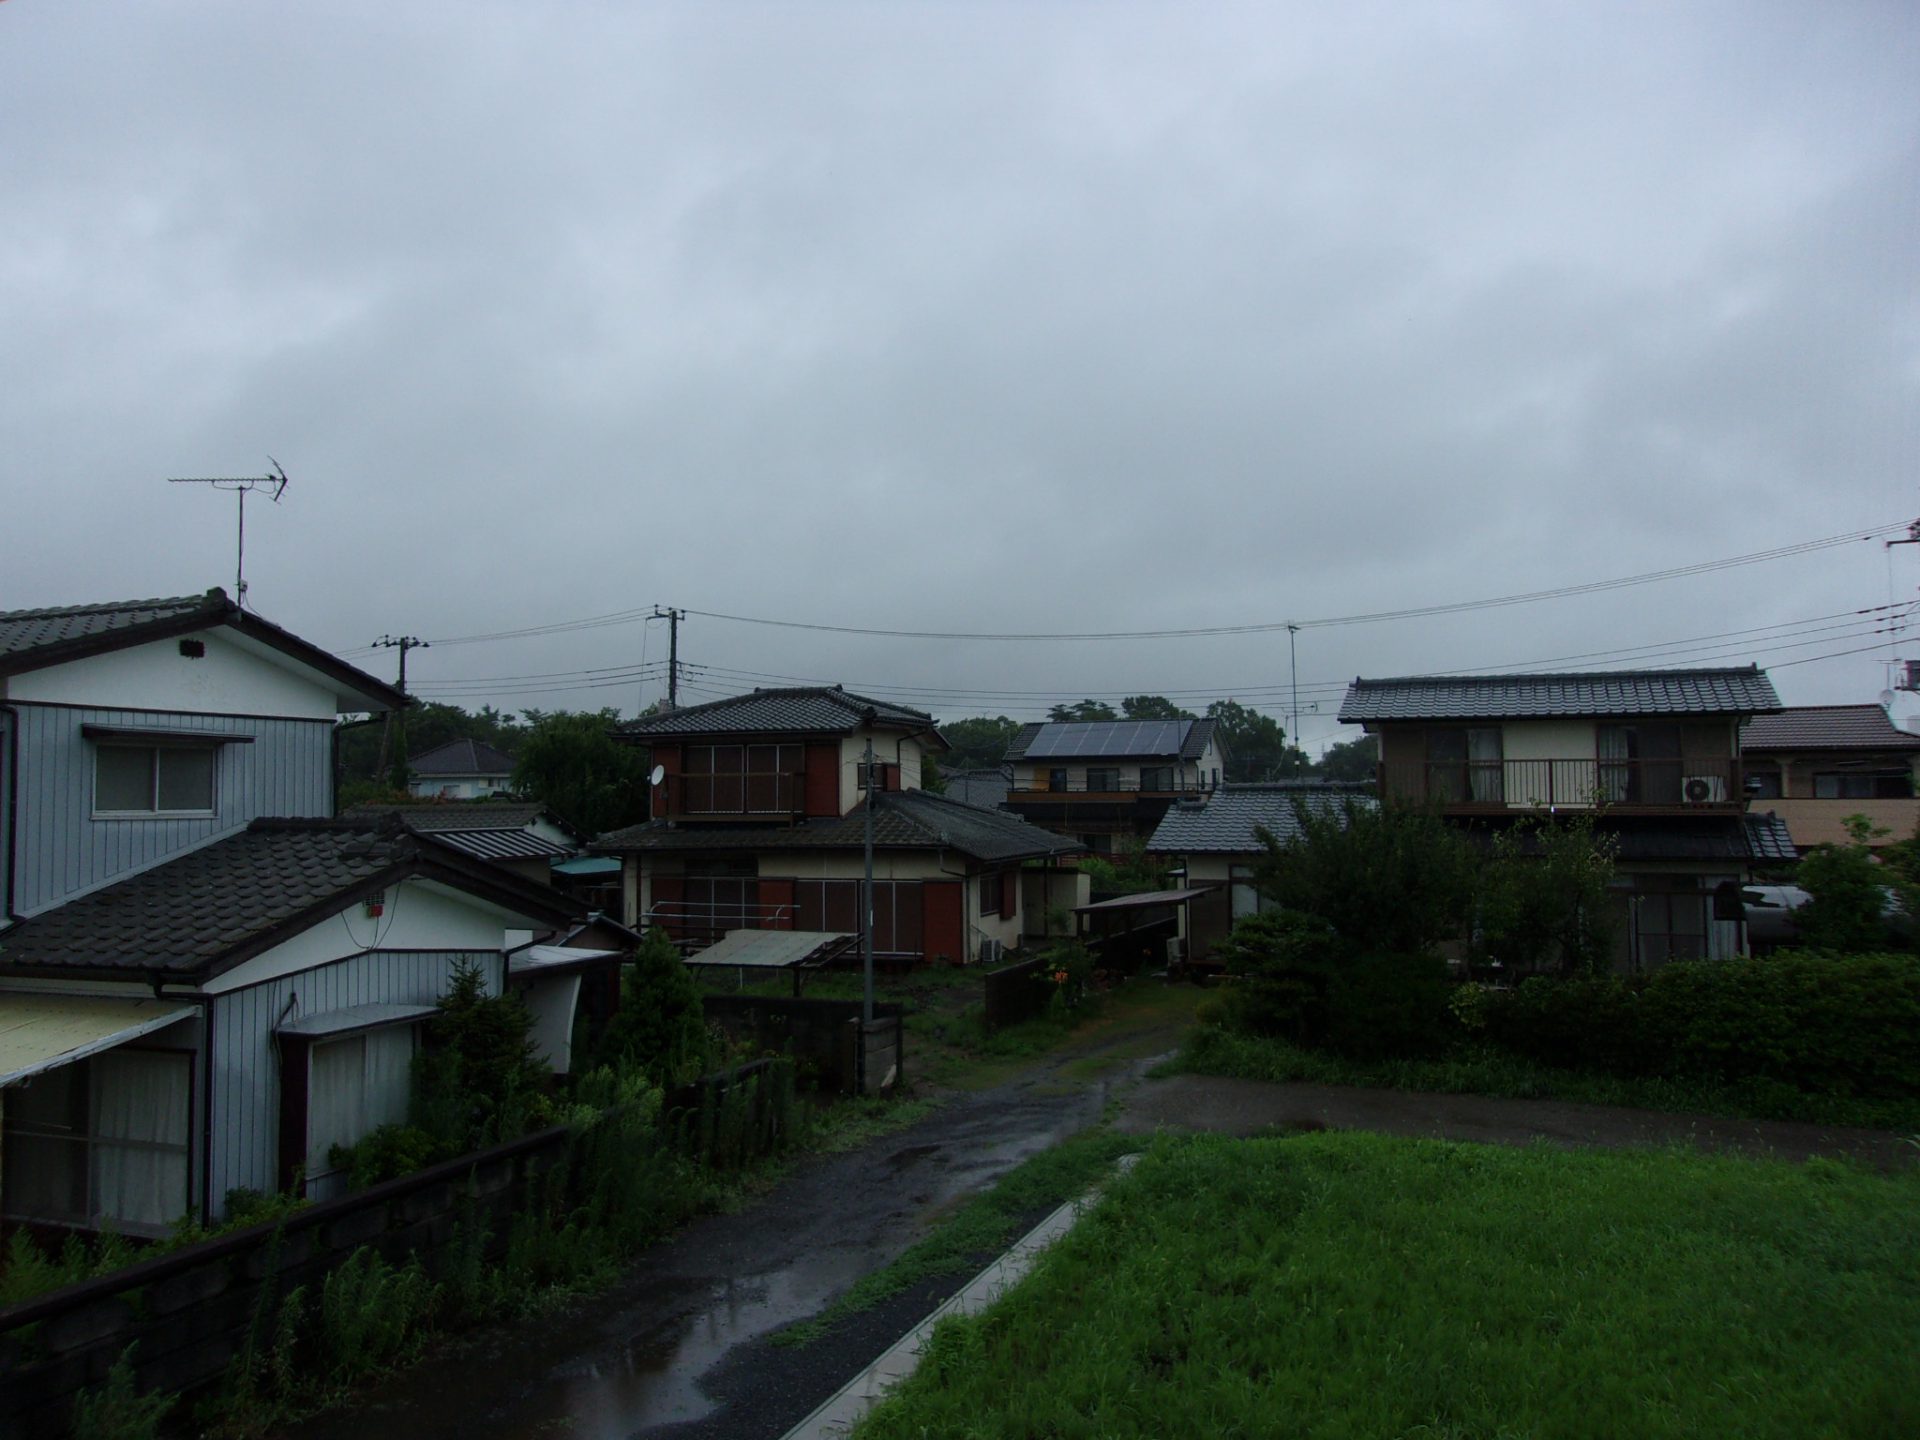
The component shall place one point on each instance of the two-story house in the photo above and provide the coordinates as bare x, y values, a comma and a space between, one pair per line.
759, 822
1097, 780
1654, 754
206, 982
1815, 765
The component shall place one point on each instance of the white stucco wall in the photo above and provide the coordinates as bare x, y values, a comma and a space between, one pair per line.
418, 915
232, 678
1571, 778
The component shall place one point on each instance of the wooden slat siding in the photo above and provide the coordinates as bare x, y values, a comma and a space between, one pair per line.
286, 771
246, 1065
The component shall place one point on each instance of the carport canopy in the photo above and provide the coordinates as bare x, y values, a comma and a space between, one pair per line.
1147, 901
793, 950
43, 1032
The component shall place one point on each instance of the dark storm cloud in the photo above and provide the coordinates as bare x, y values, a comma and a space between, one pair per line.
965, 317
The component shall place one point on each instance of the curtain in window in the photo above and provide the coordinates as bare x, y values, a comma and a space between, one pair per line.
1615, 771
140, 1136
354, 1086
1486, 772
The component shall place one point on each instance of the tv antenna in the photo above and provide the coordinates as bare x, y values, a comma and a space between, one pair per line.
274, 482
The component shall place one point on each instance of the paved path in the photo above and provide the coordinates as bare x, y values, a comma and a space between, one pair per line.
1246, 1107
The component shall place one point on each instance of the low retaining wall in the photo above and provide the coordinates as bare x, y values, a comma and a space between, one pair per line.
190, 1309
819, 1034
1014, 993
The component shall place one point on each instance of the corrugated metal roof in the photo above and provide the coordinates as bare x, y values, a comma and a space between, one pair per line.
1826, 727
44, 1032
768, 949
805, 710
1738, 691
903, 820
1228, 821
501, 844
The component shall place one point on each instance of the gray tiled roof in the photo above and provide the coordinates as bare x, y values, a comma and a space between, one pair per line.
1111, 739
34, 639
1228, 820
807, 710
1826, 727
462, 757
1734, 691
22, 631
431, 816
903, 820
985, 788
230, 900
1769, 839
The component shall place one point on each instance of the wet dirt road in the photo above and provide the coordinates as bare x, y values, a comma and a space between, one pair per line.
680, 1346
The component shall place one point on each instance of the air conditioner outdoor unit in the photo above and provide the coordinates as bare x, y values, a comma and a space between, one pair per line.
1704, 789
991, 950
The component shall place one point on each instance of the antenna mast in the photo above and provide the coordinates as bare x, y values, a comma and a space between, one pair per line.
275, 482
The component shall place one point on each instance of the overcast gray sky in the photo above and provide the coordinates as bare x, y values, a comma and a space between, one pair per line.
971, 317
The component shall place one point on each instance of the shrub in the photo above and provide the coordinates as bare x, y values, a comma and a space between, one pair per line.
659, 1029
117, 1411
1284, 963
1583, 1022
478, 1082
1543, 896
1847, 911
386, 1153
1389, 1003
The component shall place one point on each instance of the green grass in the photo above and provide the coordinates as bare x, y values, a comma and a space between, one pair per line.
1482, 1070
1346, 1285
983, 1226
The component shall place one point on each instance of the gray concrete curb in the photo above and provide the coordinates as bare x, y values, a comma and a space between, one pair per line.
844, 1409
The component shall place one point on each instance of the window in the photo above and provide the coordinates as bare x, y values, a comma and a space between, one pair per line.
990, 894
101, 1142
1466, 765
1669, 925
1156, 777
354, 1086
1244, 893
1057, 778
153, 779
1103, 777
1641, 765
1863, 785
743, 779
1763, 784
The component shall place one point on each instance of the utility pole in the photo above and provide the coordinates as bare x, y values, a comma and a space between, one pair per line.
673, 618
393, 741
1293, 709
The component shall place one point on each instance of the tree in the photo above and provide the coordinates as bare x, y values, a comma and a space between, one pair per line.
1256, 744
1350, 760
1081, 710
477, 1081
1543, 896
1152, 707
660, 1028
979, 743
1848, 911
572, 764
1388, 878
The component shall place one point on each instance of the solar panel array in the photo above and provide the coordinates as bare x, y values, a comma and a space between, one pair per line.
1107, 739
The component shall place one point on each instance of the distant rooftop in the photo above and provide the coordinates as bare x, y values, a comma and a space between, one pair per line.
1826, 727
1229, 820
1732, 691
1111, 740
462, 757
812, 709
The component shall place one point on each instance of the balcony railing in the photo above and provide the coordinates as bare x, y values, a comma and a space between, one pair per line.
1120, 785
738, 794
1575, 783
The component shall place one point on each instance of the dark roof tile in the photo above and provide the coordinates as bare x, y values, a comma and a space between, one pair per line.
806, 710
1228, 820
1733, 691
1826, 727
462, 757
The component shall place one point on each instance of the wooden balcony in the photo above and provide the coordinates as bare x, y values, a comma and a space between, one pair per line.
756, 795
1498, 787
1118, 789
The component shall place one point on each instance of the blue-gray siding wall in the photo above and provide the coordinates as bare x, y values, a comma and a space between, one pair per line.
59, 849
6, 813
246, 1064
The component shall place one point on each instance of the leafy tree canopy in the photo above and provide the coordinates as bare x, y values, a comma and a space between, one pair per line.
1351, 759
1256, 744
572, 764
1153, 707
1082, 710
979, 743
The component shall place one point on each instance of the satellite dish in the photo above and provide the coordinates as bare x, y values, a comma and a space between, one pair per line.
1886, 699
659, 774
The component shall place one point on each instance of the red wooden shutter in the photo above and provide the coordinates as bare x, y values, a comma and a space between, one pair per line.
944, 920
823, 780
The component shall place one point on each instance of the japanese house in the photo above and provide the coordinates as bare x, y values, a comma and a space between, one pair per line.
460, 770
1815, 765
760, 822
205, 981
1098, 780
1654, 754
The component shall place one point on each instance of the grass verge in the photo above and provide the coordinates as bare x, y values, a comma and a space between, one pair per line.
985, 1225
1357, 1286
1482, 1070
